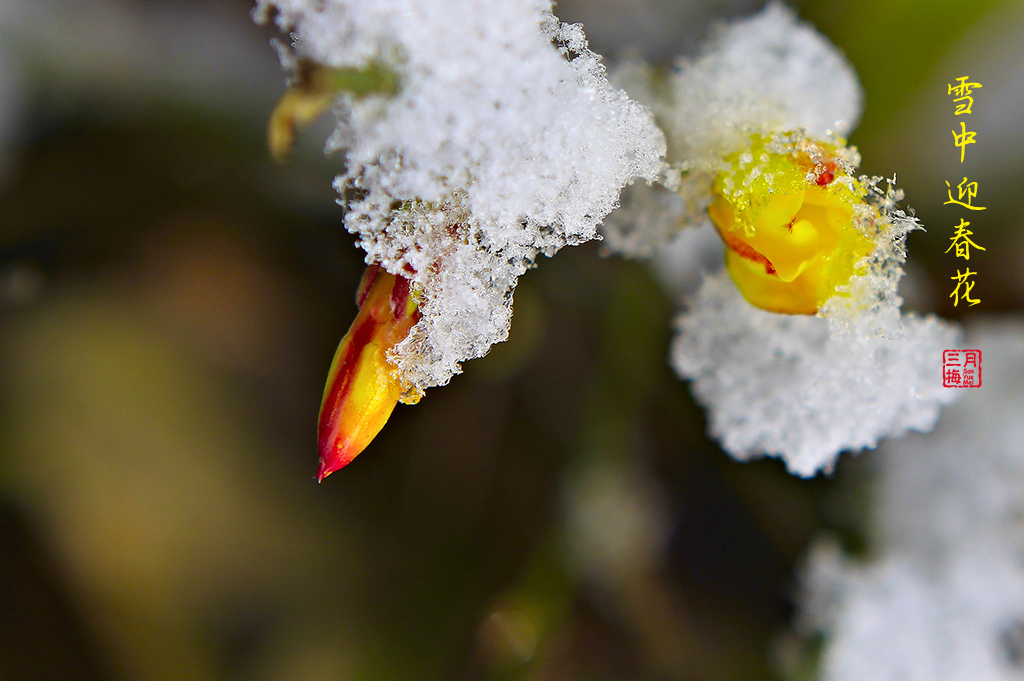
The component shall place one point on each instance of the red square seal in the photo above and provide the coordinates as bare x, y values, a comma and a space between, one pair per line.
961, 368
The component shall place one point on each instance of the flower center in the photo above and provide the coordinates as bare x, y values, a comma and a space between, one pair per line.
787, 216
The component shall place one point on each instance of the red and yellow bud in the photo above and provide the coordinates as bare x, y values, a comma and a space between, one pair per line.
363, 386
787, 220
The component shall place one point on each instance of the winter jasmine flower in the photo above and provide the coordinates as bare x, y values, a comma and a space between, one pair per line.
362, 386
501, 140
755, 126
787, 220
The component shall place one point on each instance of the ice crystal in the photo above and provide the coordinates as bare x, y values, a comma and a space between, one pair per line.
767, 96
503, 141
765, 74
806, 388
943, 597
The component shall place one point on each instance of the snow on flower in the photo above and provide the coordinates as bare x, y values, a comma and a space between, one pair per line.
807, 388
755, 126
942, 596
501, 141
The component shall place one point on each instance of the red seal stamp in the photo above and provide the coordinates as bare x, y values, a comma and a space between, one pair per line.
961, 368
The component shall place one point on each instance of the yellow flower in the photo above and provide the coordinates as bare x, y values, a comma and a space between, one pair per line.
363, 386
787, 213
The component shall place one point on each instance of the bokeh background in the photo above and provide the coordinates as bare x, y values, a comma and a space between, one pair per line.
170, 300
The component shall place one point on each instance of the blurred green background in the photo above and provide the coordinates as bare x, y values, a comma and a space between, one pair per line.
170, 300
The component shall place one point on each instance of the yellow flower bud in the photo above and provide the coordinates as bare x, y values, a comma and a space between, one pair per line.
786, 212
363, 386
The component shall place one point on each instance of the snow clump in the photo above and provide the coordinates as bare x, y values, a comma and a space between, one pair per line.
803, 388
503, 141
941, 597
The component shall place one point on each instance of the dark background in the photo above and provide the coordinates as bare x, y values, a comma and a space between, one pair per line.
170, 300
